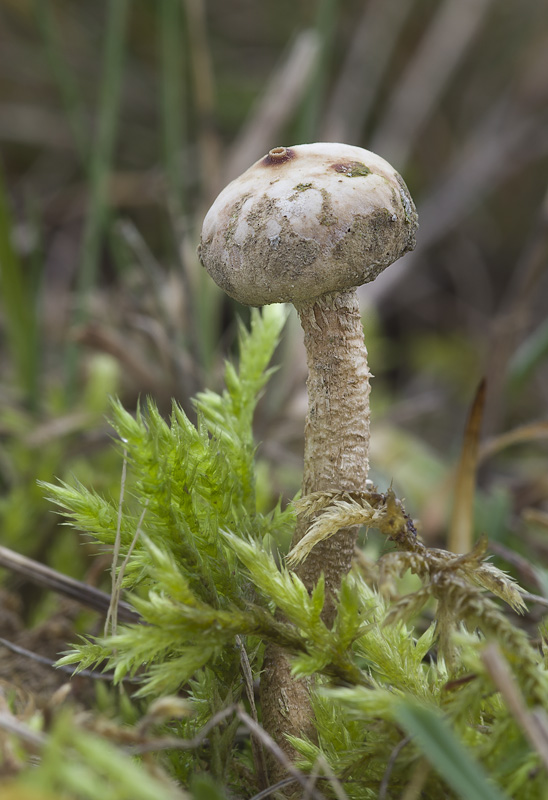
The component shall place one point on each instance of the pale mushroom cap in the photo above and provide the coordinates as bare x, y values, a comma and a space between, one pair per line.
307, 220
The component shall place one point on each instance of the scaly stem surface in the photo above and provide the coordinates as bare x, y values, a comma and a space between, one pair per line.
335, 459
336, 442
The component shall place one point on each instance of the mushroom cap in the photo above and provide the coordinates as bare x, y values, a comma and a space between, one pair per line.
307, 220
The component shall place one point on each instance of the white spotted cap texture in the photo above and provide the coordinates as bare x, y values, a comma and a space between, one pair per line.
305, 221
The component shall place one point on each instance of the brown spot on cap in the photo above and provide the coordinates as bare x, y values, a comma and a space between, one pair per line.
278, 155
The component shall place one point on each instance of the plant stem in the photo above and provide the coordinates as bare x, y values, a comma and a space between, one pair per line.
172, 99
18, 306
101, 158
64, 79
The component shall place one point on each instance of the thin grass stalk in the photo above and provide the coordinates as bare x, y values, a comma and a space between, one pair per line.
275, 106
172, 98
426, 77
311, 109
530, 723
18, 302
63, 76
461, 529
173, 91
372, 46
204, 88
71, 98
205, 300
179, 361
100, 166
34, 266
514, 352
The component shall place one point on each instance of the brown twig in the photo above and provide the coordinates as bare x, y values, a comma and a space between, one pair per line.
57, 582
383, 788
174, 743
256, 747
86, 673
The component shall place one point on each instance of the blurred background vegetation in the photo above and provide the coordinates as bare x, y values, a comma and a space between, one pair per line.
119, 123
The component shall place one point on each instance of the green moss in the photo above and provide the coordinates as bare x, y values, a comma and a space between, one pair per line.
206, 586
353, 169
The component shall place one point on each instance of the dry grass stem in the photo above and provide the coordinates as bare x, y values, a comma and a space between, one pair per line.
499, 671
275, 106
442, 49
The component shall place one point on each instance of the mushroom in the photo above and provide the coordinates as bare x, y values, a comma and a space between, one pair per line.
307, 225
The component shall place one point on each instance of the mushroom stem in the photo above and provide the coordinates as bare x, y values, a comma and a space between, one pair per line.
335, 458
337, 426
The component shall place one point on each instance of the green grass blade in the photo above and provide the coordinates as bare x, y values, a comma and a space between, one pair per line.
326, 20
204, 788
446, 753
18, 305
107, 116
528, 357
101, 158
63, 77
172, 96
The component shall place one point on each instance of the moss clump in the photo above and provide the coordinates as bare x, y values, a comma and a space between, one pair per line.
197, 556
